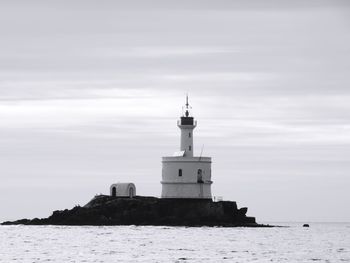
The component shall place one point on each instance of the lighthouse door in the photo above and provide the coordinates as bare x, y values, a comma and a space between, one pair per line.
199, 176
200, 181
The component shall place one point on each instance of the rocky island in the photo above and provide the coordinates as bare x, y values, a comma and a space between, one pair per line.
141, 210
186, 198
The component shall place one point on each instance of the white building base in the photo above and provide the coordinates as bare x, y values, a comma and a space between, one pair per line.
186, 190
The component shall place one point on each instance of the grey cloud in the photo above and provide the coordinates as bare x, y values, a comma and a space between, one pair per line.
84, 85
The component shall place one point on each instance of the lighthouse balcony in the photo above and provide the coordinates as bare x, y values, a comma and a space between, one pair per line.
183, 183
199, 159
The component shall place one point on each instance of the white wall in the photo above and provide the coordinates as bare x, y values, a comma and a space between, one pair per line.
186, 140
186, 186
179, 190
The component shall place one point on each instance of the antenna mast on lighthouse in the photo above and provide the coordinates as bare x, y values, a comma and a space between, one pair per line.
186, 112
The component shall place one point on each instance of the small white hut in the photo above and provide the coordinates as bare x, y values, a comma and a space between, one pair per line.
123, 189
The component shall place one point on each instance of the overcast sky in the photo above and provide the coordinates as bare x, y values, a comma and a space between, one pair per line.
90, 92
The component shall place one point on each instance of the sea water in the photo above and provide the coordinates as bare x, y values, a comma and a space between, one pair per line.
319, 243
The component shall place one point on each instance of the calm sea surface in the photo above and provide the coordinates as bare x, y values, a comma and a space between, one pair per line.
319, 243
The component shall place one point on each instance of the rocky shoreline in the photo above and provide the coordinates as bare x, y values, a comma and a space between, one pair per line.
141, 210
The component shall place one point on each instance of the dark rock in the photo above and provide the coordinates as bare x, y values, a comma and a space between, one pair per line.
243, 211
108, 210
18, 222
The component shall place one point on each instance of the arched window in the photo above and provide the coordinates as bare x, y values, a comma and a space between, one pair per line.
180, 172
189, 135
199, 176
189, 148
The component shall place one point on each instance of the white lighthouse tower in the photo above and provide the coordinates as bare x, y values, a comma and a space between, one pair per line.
183, 174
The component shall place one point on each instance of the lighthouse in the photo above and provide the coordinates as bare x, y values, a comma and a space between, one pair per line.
185, 175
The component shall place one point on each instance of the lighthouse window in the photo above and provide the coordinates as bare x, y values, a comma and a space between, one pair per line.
189, 148
180, 172
189, 135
